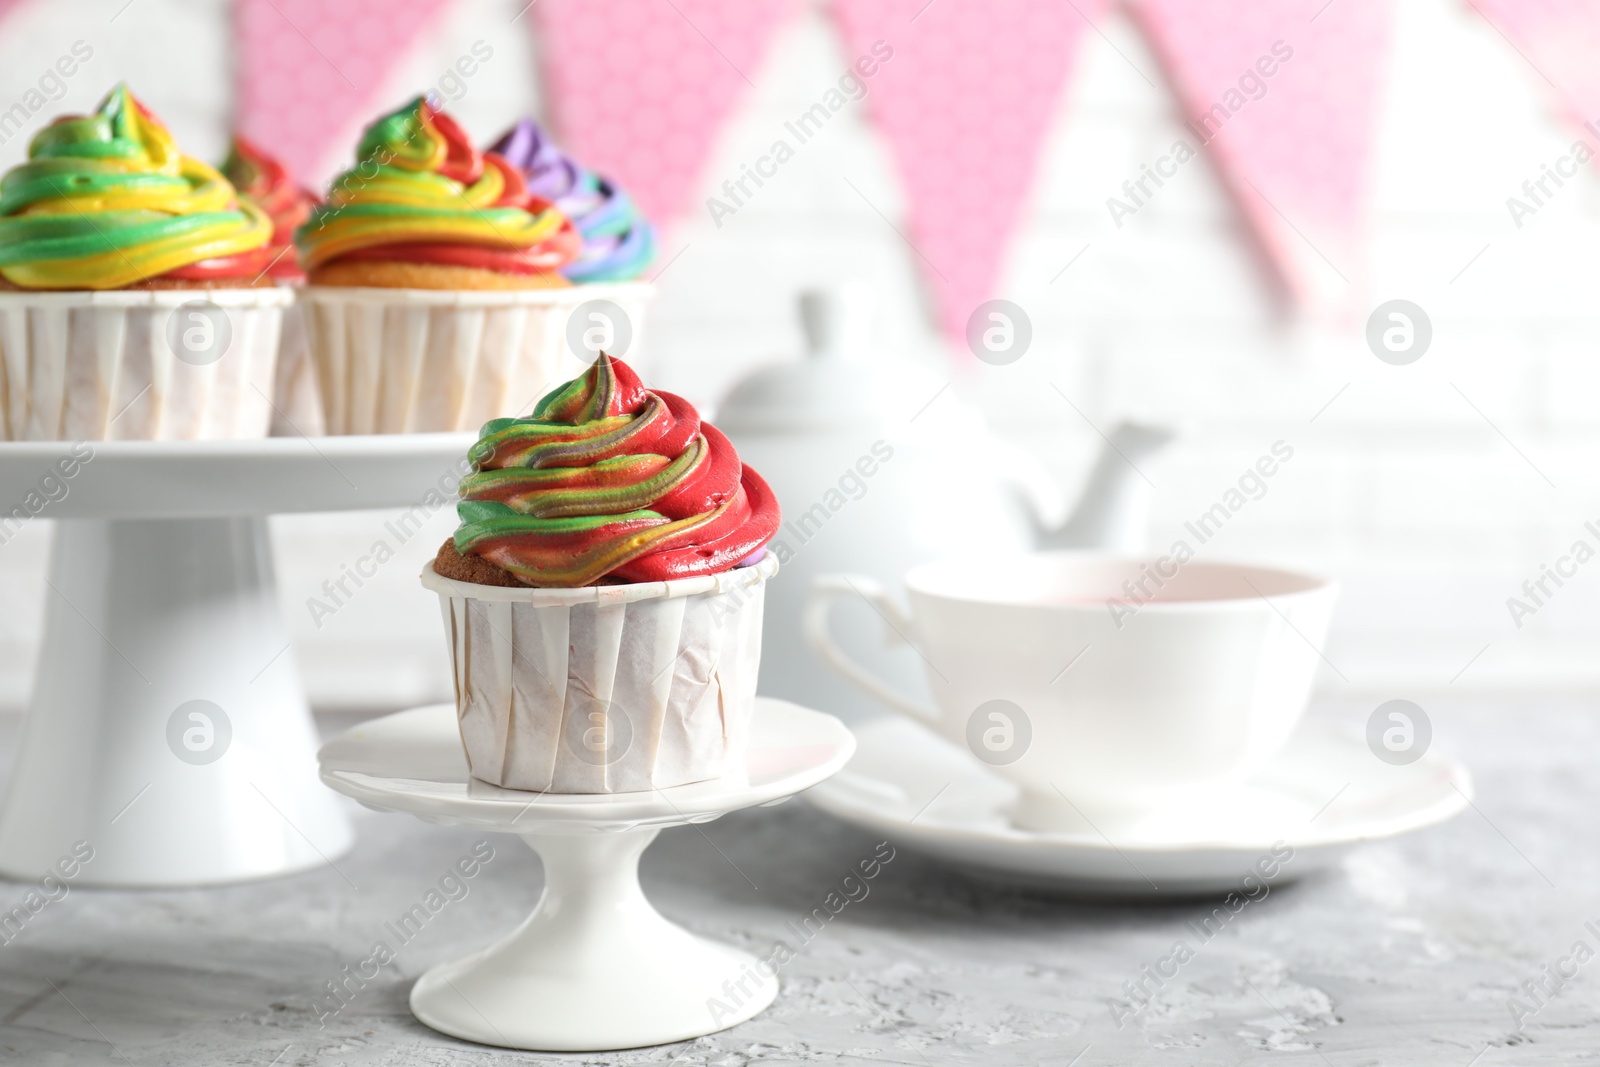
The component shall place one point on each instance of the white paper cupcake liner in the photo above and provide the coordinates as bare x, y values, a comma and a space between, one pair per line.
297, 405
138, 364
423, 361
605, 689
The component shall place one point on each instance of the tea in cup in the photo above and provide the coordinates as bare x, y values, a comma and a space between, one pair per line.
1105, 687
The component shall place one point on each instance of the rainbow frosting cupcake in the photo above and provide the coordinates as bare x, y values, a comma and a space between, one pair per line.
435, 297
618, 243
263, 181
603, 595
135, 300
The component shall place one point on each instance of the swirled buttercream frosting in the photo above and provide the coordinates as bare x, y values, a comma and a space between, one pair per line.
107, 201
421, 193
618, 243
610, 481
263, 180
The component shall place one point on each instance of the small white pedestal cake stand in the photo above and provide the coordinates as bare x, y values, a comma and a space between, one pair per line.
161, 593
595, 967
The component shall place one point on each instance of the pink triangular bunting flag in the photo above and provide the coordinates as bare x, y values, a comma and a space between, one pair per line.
964, 104
1560, 40
309, 71
639, 89
1284, 99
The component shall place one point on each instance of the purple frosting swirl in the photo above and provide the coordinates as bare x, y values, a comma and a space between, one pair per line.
618, 243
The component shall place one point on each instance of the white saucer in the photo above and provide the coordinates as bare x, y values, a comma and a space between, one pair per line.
1325, 793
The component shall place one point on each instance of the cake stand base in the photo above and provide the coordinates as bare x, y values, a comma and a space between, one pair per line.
168, 737
595, 966
167, 730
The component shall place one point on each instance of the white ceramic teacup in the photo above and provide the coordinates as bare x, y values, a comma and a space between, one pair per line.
1105, 687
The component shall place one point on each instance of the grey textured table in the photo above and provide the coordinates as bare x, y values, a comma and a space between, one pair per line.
1408, 955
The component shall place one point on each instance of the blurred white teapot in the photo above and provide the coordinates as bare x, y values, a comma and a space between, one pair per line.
878, 471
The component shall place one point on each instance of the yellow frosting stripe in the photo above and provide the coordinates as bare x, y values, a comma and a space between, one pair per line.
121, 267
370, 229
107, 200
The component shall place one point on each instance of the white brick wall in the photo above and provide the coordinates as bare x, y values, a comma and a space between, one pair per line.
1399, 486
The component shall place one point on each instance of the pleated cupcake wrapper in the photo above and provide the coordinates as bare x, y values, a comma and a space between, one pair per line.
297, 404
98, 366
605, 689
420, 360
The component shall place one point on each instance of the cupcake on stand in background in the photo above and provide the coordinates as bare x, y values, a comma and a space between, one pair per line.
135, 299
619, 243
434, 299
262, 180
603, 595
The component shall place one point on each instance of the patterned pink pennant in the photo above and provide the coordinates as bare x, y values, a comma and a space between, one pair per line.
640, 88
310, 70
1560, 40
964, 104
1293, 146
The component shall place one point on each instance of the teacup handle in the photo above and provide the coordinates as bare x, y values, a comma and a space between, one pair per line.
824, 591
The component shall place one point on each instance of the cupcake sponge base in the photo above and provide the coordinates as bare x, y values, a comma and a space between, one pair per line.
452, 564
389, 274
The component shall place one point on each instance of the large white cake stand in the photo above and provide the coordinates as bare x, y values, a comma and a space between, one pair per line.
161, 593
595, 967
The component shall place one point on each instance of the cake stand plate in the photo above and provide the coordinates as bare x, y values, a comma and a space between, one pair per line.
595, 967
168, 732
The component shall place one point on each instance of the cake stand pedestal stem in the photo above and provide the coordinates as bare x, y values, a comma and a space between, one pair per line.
595, 966
167, 728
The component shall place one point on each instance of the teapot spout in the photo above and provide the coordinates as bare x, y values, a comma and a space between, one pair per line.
1113, 511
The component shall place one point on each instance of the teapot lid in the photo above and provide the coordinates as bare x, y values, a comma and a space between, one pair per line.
834, 384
